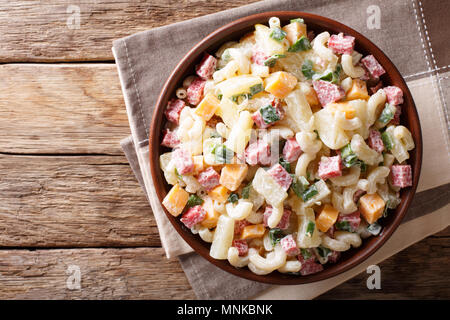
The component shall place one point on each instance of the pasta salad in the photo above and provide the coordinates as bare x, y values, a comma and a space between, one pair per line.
285, 149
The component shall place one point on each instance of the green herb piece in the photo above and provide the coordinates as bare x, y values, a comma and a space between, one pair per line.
323, 252
297, 20
226, 55
374, 228
309, 193
194, 200
269, 114
307, 69
256, 89
275, 235
310, 228
306, 254
301, 44
270, 62
215, 134
299, 185
233, 197
349, 158
286, 165
179, 177
387, 114
246, 191
220, 96
387, 141
362, 165
344, 226
317, 134
222, 154
278, 34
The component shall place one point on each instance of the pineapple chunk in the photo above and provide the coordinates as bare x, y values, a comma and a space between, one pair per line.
223, 238
266, 186
265, 42
295, 31
207, 107
327, 217
212, 215
345, 107
371, 206
298, 109
199, 164
240, 133
305, 239
253, 231
280, 84
237, 85
219, 194
228, 111
358, 90
309, 93
176, 200
232, 175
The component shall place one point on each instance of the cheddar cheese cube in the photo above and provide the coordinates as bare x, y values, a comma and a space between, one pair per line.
294, 31
358, 90
207, 107
212, 215
345, 107
232, 175
176, 200
253, 231
280, 84
219, 194
371, 207
326, 218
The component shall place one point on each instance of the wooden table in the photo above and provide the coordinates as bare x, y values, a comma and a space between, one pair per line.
67, 194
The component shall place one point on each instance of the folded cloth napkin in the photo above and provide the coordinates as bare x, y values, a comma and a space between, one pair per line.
145, 60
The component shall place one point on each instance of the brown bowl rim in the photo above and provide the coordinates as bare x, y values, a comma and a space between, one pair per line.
371, 245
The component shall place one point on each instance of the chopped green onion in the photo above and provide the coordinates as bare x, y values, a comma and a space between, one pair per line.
278, 34
387, 140
269, 114
344, 226
226, 55
194, 200
215, 134
310, 228
323, 252
270, 62
286, 165
387, 114
222, 154
307, 69
374, 228
349, 158
297, 20
299, 185
256, 89
275, 235
306, 254
309, 193
179, 177
220, 96
246, 191
301, 44
233, 197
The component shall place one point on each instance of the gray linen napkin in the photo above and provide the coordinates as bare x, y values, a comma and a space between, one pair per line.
146, 59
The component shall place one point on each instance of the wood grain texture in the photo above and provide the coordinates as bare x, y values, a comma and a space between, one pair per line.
73, 201
62, 108
38, 31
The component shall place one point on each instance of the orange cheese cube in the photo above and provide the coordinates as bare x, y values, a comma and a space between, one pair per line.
358, 90
280, 84
344, 107
232, 175
219, 194
371, 207
199, 165
253, 231
207, 107
295, 31
176, 200
326, 218
212, 215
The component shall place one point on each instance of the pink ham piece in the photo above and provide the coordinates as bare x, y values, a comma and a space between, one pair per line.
206, 67
289, 245
354, 219
377, 87
291, 150
242, 247
173, 110
334, 256
259, 57
281, 176
330, 167
401, 175
373, 66
341, 44
284, 222
183, 161
209, 179
309, 266
195, 91
328, 92
398, 113
239, 225
170, 139
358, 194
258, 152
394, 95
193, 216
375, 141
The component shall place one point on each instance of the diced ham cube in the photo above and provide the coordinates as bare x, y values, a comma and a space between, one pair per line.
358, 194
291, 150
195, 91
183, 161
330, 167
258, 152
206, 67
209, 179
239, 225
258, 119
259, 57
354, 219
394, 95
281, 176
328, 92
284, 222
193, 216
398, 113
373, 66
173, 110
289, 245
170, 139
334, 256
341, 44
242, 247
375, 141
309, 266
377, 87
401, 175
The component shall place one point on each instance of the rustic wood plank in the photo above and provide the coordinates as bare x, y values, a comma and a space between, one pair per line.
62, 108
37, 31
73, 201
